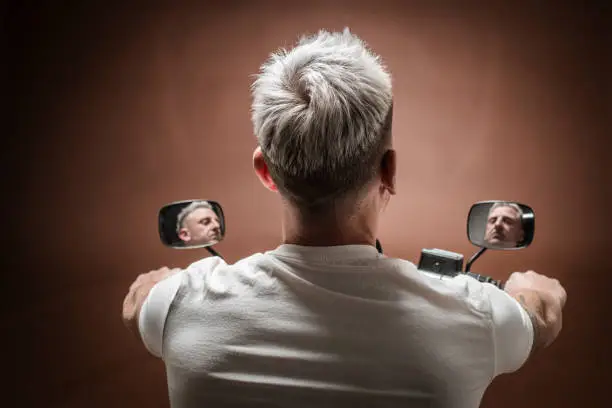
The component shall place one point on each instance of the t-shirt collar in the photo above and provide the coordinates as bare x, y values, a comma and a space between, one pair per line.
327, 253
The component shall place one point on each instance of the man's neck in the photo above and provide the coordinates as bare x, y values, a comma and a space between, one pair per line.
329, 230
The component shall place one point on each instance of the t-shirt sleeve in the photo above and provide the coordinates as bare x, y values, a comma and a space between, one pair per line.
155, 310
156, 307
512, 331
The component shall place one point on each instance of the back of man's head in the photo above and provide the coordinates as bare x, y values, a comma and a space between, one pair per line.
322, 116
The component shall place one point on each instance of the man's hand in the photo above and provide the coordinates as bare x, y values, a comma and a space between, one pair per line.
139, 290
543, 298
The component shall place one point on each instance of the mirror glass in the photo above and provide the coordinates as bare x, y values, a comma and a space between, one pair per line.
499, 224
191, 224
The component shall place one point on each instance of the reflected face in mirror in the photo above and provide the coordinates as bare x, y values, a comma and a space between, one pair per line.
501, 225
198, 224
504, 226
191, 224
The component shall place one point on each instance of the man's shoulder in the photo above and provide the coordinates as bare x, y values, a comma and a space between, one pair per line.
215, 270
208, 263
216, 263
461, 287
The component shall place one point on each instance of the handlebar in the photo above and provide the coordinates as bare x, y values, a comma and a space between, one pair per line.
486, 279
481, 278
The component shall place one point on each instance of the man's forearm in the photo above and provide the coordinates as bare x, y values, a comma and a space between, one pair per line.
543, 299
543, 317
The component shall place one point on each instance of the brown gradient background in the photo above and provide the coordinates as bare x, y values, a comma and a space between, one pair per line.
119, 110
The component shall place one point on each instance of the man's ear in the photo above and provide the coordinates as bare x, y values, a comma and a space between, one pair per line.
387, 171
184, 235
262, 171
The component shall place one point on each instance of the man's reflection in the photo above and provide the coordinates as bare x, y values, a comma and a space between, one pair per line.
504, 226
198, 224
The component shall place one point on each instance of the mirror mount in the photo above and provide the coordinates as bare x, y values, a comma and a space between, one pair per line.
213, 252
379, 246
474, 257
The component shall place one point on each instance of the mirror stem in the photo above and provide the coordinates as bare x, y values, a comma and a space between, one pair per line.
473, 258
213, 252
379, 247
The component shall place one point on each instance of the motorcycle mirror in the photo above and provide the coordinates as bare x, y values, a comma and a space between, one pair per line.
191, 224
501, 225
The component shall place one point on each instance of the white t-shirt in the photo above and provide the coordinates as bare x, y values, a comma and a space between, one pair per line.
330, 326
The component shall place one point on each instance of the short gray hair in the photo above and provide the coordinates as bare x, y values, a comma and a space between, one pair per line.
180, 218
322, 116
514, 206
